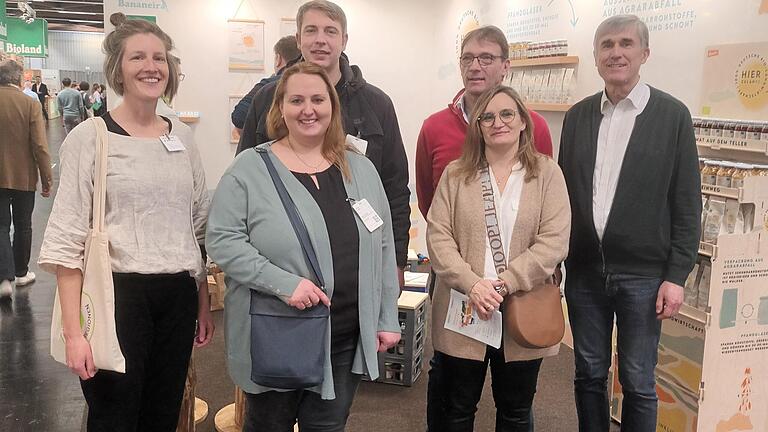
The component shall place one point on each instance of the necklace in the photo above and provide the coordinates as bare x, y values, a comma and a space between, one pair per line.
308, 165
500, 181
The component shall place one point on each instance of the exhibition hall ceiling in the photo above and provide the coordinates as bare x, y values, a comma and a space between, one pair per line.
72, 15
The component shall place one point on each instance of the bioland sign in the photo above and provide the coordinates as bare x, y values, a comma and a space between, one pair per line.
27, 40
3, 26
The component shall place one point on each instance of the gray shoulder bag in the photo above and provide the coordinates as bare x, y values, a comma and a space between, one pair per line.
288, 345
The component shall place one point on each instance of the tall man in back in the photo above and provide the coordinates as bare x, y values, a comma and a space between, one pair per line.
368, 114
484, 61
629, 158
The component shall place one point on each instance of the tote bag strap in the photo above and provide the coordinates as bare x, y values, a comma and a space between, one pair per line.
100, 175
296, 221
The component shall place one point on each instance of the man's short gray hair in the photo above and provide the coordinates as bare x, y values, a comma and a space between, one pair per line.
10, 72
618, 23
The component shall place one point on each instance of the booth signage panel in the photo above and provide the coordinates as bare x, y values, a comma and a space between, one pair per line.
27, 40
735, 389
681, 351
150, 18
735, 81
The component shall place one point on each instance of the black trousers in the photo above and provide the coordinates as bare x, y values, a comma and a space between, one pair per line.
275, 411
456, 385
155, 317
15, 207
45, 109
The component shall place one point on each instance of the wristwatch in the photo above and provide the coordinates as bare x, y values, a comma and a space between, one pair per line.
502, 290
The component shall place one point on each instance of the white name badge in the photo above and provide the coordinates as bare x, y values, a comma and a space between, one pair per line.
357, 143
172, 143
367, 214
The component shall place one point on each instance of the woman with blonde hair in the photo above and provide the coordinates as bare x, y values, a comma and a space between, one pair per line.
338, 196
499, 223
155, 214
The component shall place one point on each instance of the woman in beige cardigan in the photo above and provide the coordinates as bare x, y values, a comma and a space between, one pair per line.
531, 204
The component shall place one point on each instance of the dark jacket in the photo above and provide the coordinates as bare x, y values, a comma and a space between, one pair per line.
240, 112
41, 90
367, 113
654, 223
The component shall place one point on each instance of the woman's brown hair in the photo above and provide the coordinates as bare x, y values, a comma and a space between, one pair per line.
114, 48
472, 158
334, 142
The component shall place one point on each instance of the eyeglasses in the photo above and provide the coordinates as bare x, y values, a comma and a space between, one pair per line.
483, 59
487, 119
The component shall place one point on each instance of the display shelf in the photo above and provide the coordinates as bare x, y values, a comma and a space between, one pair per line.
189, 116
545, 61
540, 106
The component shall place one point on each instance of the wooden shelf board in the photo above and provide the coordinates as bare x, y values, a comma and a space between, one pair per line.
717, 143
545, 61
707, 249
694, 313
540, 106
720, 191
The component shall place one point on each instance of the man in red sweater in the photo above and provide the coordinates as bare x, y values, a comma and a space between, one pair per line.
484, 62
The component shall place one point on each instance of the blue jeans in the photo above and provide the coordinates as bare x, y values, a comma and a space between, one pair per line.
593, 300
15, 206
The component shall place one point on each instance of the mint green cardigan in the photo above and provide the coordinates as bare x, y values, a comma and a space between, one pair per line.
250, 237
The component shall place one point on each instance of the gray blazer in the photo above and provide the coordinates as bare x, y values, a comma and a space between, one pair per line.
250, 237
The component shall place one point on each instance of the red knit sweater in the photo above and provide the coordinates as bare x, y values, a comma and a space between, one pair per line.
440, 142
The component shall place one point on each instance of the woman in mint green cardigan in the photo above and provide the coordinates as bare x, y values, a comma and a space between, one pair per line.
251, 238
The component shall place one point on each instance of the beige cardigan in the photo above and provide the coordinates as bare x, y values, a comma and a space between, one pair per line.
456, 243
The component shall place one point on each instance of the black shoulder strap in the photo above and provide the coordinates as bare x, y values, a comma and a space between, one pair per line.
295, 218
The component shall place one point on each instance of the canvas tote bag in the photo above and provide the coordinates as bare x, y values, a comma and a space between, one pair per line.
97, 300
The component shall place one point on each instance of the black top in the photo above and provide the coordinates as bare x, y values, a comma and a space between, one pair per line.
340, 222
654, 223
115, 128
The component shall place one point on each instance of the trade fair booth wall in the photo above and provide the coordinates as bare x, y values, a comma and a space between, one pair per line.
410, 50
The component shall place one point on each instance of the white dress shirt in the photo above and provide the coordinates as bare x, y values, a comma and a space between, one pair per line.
612, 140
462, 107
507, 203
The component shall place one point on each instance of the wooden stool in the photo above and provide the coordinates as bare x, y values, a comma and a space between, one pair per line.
230, 418
193, 410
